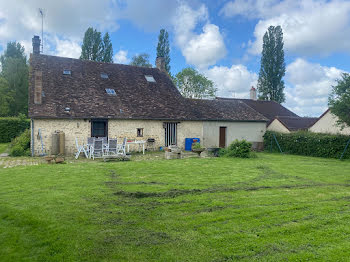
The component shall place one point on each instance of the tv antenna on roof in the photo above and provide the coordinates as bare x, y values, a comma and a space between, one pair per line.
41, 12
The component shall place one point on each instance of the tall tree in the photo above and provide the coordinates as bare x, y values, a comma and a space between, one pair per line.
107, 49
6, 98
92, 45
192, 84
141, 60
339, 100
15, 71
273, 67
163, 49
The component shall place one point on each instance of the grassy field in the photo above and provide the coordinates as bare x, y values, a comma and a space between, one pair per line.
270, 208
3, 147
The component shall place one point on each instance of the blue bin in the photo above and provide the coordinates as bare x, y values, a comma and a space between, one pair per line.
189, 142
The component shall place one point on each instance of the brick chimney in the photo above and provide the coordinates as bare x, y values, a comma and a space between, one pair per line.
160, 63
253, 93
36, 45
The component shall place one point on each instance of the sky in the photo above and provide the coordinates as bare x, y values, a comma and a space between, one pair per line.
222, 39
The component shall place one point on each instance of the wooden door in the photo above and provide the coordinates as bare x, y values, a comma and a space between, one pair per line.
222, 137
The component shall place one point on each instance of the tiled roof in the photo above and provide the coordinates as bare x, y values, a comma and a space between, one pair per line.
269, 109
297, 123
83, 92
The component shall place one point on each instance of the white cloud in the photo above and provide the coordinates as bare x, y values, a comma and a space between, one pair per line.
121, 57
232, 82
64, 23
203, 49
67, 48
308, 86
309, 26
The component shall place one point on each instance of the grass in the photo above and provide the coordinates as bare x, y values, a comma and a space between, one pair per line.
3, 147
270, 208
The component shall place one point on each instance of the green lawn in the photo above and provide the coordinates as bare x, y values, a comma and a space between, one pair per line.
269, 208
3, 147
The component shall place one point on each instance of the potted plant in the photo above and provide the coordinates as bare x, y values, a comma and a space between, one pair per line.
197, 148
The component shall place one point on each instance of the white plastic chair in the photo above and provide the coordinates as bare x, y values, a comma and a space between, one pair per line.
97, 149
90, 144
80, 148
112, 148
121, 148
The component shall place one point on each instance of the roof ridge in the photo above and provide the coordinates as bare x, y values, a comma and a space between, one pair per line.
92, 61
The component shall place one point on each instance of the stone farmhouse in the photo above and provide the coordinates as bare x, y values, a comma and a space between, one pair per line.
92, 99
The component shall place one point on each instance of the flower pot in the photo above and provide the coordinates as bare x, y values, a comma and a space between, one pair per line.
198, 150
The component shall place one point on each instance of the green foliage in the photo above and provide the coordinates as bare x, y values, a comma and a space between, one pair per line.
3, 147
163, 49
95, 48
11, 127
196, 145
237, 148
272, 68
192, 84
20, 146
339, 100
141, 60
308, 144
6, 98
107, 49
13, 91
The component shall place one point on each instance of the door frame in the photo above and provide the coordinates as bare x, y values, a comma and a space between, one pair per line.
224, 138
170, 133
99, 120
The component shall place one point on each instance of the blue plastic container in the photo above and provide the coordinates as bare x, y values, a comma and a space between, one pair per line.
189, 142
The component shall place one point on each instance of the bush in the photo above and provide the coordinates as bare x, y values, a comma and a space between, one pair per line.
308, 144
20, 146
196, 145
237, 149
11, 127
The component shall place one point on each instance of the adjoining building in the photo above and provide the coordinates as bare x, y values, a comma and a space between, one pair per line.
327, 123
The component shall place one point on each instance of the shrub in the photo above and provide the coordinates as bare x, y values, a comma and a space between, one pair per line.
237, 149
196, 145
308, 144
11, 127
20, 146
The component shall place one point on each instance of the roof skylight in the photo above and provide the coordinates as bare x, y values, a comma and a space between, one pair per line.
150, 78
111, 92
104, 76
67, 72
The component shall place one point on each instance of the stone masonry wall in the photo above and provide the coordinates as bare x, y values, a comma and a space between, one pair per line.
81, 129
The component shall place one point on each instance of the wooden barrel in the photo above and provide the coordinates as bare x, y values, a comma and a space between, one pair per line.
61, 142
55, 144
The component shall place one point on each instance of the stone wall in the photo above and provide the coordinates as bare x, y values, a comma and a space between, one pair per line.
81, 129
77, 128
207, 131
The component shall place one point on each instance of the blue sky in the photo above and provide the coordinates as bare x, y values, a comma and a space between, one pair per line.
221, 39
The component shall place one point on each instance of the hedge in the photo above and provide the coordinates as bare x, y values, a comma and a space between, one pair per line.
10, 127
308, 144
20, 146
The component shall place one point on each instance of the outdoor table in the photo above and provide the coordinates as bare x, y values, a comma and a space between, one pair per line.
139, 143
